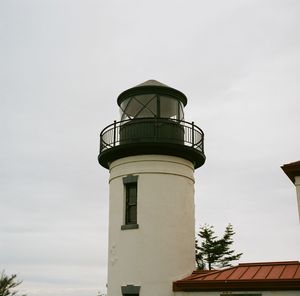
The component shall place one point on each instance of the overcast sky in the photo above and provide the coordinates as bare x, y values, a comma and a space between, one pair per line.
63, 64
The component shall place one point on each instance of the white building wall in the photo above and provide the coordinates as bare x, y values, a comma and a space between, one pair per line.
162, 249
263, 293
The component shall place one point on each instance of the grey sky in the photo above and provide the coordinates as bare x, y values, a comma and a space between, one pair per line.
62, 66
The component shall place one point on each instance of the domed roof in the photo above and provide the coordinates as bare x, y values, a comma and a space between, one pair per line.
152, 82
152, 87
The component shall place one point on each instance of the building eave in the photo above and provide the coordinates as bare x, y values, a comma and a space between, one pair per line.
237, 285
292, 170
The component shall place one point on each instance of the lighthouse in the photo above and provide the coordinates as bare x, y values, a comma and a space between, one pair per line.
151, 155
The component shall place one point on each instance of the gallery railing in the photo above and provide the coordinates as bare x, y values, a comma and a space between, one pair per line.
152, 130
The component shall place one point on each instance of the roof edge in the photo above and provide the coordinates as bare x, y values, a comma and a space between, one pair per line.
292, 170
270, 263
237, 285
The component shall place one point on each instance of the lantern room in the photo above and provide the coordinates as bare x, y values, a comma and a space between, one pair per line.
152, 100
152, 122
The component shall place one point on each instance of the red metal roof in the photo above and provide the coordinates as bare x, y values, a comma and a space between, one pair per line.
246, 276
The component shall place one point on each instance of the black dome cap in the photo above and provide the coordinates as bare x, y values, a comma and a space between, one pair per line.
152, 86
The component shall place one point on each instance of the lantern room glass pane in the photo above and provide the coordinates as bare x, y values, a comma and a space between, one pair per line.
149, 109
170, 108
181, 113
151, 105
130, 107
140, 106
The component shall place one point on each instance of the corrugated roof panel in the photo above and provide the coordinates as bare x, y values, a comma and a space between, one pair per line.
211, 276
195, 276
224, 274
275, 272
238, 272
198, 275
289, 272
262, 273
191, 277
250, 273
297, 274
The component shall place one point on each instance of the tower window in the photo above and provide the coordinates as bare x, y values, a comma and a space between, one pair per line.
130, 211
131, 203
130, 290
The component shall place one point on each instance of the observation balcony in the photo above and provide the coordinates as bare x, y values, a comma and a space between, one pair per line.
163, 136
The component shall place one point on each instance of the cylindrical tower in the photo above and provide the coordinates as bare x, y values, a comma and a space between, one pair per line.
151, 155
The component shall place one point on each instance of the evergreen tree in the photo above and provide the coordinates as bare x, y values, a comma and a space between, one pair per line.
213, 252
7, 284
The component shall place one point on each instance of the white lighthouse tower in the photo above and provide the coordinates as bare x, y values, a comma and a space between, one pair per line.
151, 155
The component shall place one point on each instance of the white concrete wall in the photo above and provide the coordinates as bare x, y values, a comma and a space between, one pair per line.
263, 293
297, 184
162, 249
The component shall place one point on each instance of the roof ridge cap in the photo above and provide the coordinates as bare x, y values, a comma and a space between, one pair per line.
269, 263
